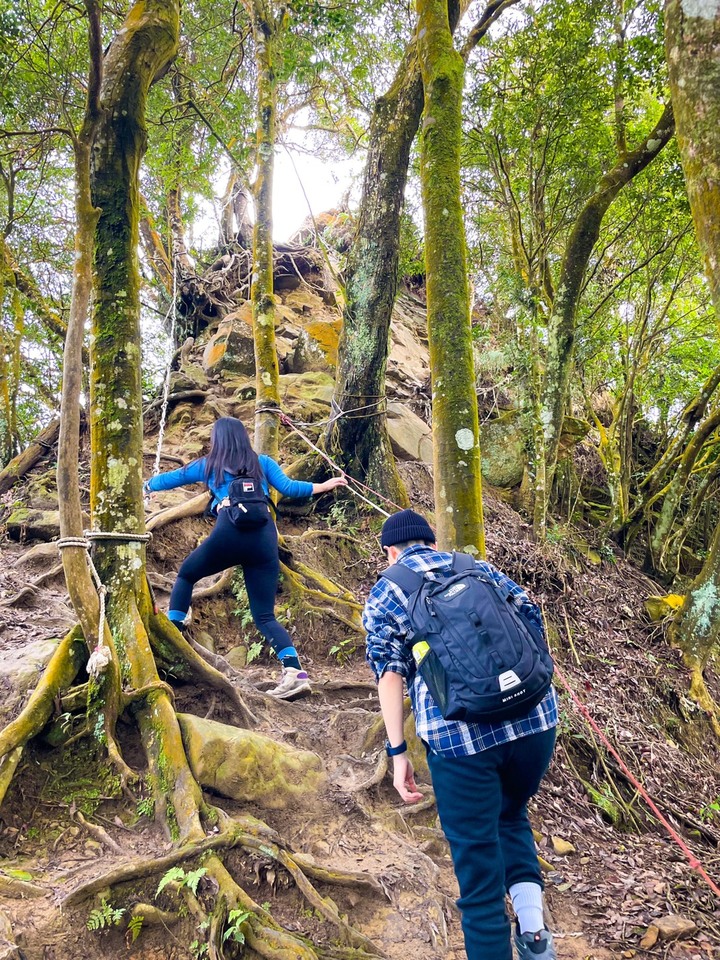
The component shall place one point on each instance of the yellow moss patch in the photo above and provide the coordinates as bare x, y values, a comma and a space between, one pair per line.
326, 333
659, 608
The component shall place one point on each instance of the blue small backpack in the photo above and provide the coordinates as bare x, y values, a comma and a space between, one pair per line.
481, 659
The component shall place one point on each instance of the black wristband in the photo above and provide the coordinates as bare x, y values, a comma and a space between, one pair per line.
395, 751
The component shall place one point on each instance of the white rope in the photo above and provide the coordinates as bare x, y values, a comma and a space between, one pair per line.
166, 386
351, 480
101, 655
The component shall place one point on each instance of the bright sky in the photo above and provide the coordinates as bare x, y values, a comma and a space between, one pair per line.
324, 182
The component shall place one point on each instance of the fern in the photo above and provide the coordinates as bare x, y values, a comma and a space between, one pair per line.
193, 878
236, 918
135, 926
171, 876
106, 915
178, 875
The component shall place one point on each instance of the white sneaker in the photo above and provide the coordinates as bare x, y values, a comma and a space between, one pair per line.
293, 684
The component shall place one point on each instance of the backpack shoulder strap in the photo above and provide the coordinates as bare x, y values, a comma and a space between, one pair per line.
462, 562
407, 579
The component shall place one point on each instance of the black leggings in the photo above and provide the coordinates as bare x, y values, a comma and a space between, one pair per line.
256, 551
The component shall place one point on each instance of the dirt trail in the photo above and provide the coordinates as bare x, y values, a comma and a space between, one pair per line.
621, 874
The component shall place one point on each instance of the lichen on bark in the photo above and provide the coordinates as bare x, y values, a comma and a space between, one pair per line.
692, 40
456, 446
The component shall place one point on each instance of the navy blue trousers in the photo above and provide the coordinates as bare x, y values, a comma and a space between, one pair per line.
256, 551
482, 803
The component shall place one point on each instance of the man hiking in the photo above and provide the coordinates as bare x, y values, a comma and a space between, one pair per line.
483, 771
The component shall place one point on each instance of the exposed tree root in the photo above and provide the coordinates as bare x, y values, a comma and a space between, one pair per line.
191, 508
153, 916
60, 672
21, 889
98, 833
30, 589
219, 586
702, 696
413, 809
163, 631
326, 907
174, 398
134, 695
322, 534
347, 685
381, 768
261, 932
8, 766
330, 594
26, 460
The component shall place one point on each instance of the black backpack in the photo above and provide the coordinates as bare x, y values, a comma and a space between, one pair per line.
481, 659
248, 507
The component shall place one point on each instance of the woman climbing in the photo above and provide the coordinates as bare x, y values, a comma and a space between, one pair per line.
244, 535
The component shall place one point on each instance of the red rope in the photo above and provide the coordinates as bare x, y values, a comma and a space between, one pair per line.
691, 858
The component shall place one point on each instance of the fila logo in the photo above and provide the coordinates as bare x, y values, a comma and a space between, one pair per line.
248, 486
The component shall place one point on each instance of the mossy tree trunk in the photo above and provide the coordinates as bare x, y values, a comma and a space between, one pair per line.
692, 41
266, 26
563, 318
360, 441
138, 54
6, 446
456, 446
79, 582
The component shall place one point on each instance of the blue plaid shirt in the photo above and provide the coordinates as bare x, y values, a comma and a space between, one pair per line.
387, 625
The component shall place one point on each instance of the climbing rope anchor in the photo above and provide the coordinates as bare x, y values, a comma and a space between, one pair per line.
100, 656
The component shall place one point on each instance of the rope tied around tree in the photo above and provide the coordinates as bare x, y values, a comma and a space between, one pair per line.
100, 656
284, 419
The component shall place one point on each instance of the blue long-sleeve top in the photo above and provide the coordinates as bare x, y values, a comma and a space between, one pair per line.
194, 472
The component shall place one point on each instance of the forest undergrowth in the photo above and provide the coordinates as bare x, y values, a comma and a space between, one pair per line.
611, 870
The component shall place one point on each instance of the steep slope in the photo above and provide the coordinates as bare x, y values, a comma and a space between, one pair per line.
611, 869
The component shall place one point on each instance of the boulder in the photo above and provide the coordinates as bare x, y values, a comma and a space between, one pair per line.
189, 377
25, 524
42, 491
409, 357
20, 670
237, 656
315, 348
410, 436
307, 396
231, 348
249, 767
502, 449
673, 927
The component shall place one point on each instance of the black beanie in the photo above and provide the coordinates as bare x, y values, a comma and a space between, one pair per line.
405, 526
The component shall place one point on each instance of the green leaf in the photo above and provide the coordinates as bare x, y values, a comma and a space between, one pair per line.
193, 878
173, 874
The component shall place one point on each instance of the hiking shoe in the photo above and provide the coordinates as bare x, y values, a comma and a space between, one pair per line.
293, 684
530, 945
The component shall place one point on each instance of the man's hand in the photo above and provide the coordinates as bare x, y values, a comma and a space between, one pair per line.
404, 779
